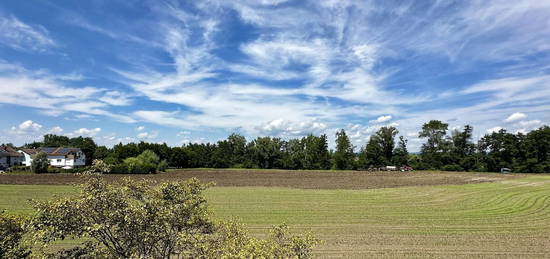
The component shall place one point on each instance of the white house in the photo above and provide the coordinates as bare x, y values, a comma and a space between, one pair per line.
9, 157
59, 156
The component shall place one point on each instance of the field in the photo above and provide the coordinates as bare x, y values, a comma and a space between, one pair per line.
359, 214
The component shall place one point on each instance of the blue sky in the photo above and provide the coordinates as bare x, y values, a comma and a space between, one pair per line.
181, 71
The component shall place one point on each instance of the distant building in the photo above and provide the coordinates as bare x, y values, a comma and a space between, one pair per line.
9, 157
58, 156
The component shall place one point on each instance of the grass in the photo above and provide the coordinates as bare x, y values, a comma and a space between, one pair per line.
509, 218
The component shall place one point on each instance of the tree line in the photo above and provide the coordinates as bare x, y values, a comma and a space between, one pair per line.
443, 149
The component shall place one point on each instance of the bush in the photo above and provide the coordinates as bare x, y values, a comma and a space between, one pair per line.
11, 236
98, 167
119, 169
162, 166
170, 220
40, 163
146, 163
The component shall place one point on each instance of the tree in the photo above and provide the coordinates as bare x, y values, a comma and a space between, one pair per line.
401, 154
343, 155
40, 163
372, 154
462, 153
316, 155
51, 140
499, 150
102, 152
87, 145
178, 158
386, 136
145, 163
432, 151
267, 152
139, 220
294, 154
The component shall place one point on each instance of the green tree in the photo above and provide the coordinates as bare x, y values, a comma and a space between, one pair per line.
178, 158
401, 154
87, 145
500, 149
267, 152
101, 153
343, 155
294, 154
51, 140
316, 155
463, 149
146, 163
372, 154
433, 151
386, 136
139, 220
40, 163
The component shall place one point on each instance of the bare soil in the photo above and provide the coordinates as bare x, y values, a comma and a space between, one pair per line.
284, 178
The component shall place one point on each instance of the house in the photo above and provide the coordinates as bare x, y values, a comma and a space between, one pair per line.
9, 157
66, 158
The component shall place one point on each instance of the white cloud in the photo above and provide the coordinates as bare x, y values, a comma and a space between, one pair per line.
21, 36
29, 126
140, 128
52, 96
382, 119
515, 117
85, 132
284, 128
148, 135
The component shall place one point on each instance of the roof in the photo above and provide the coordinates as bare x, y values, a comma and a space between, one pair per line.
30, 151
52, 151
8, 151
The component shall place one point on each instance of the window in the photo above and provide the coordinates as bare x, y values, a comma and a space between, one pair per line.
59, 160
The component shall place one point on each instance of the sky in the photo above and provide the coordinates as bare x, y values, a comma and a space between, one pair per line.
197, 71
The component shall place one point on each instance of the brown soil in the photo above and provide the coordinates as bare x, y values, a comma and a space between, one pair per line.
284, 178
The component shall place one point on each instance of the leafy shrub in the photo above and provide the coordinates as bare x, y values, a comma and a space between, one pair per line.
145, 163
40, 163
98, 167
11, 236
170, 220
119, 169
162, 166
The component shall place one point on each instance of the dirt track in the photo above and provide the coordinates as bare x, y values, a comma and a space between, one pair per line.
282, 178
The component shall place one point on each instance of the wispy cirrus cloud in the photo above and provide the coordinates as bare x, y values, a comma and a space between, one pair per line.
52, 95
22, 36
292, 67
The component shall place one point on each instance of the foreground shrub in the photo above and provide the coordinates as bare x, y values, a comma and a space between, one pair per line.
98, 167
134, 220
11, 237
